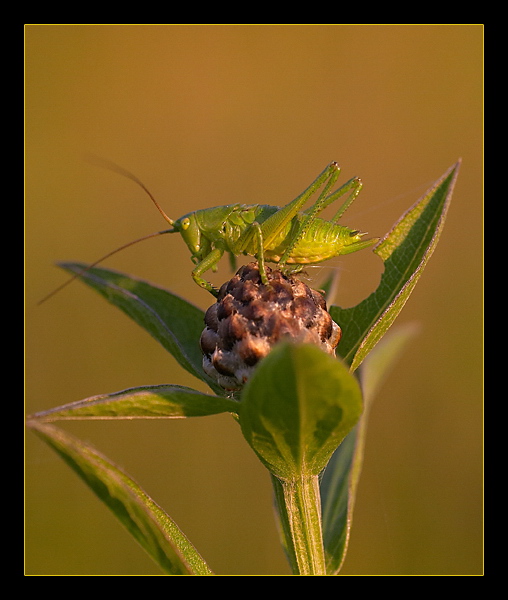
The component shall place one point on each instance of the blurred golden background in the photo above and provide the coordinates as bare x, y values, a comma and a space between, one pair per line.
208, 115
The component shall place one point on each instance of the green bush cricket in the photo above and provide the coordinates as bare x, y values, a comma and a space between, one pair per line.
288, 236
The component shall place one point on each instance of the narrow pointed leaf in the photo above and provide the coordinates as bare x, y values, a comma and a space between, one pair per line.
297, 408
340, 478
171, 320
157, 401
405, 251
147, 522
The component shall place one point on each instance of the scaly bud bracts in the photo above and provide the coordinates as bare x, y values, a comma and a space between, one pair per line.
249, 318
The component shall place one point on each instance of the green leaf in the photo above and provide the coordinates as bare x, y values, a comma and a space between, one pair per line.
297, 408
340, 478
171, 320
405, 251
147, 522
156, 401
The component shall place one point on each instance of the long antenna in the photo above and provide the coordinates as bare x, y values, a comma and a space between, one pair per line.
111, 166
94, 264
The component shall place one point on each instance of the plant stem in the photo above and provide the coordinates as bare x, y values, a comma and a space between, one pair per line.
303, 512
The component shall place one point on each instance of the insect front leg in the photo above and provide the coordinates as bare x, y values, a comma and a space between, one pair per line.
209, 262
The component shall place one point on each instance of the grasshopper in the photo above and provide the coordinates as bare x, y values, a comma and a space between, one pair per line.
288, 236
285, 236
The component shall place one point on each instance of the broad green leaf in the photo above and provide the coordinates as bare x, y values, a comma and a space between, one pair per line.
340, 478
405, 251
171, 320
156, 401
297, 408
147, 522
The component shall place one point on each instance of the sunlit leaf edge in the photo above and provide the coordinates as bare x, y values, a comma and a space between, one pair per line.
153, 529
364, 324
148, 402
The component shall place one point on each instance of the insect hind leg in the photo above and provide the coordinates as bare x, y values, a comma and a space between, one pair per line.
324, 199
258, 233
354, 185
278, 221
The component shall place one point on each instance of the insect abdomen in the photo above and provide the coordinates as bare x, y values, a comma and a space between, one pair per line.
323, 240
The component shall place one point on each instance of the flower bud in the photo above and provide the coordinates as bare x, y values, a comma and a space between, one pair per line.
249, 318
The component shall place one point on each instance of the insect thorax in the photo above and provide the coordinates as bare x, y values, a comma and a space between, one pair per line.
223, 225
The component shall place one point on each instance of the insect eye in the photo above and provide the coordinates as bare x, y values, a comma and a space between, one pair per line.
185, 224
